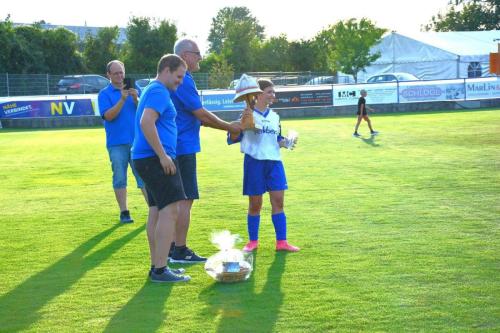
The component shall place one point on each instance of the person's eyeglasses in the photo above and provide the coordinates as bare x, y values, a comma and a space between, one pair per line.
193, 52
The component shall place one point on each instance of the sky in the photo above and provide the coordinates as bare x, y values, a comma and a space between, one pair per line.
193, 18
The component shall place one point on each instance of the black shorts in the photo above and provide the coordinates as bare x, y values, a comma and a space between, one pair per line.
162, 189
187, 165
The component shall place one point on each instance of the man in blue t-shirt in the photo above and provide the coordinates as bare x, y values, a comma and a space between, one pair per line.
190, 115
154, 157
117, 107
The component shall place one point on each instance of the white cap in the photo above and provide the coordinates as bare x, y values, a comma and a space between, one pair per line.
247, 85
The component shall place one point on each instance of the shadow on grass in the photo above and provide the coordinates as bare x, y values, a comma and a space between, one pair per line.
145, 312
20, 308
238, 308
370, 141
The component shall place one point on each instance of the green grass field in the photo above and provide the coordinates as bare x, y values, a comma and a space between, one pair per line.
398, 233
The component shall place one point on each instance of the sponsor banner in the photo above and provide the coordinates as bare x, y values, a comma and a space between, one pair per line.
48, 108
292, 98
483, 88
220, 101
444, 90
378, 93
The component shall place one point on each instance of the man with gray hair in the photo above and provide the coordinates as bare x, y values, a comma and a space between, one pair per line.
190, 115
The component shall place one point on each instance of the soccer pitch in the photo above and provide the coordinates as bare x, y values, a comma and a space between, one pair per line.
399, 232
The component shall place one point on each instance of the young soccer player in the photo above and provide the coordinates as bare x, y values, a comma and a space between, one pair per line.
363, 114
263, 170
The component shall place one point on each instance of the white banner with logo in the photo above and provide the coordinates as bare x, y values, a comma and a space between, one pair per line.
483, 88
438, 90
378, 93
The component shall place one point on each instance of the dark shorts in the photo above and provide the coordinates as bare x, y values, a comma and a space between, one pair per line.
162, 189
187, 165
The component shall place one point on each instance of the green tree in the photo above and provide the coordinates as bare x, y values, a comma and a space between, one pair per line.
29, 54
7, 40
147, 41
240, 46
307, 55
221, 74
99, 50
61, 51
347, 45
31, 49
467, 15
225, 20
274, 55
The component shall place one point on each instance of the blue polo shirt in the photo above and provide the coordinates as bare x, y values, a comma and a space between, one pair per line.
120, 130
155, 96
186, 100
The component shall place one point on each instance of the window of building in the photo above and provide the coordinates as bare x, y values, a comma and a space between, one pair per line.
474, 69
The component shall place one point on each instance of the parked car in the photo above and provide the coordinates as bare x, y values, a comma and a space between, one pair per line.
321, 80
392, 77
81, 84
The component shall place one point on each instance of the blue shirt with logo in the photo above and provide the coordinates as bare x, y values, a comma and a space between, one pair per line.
156, 96
120, 130
186, 100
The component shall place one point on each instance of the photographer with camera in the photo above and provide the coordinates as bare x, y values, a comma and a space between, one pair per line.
117, 106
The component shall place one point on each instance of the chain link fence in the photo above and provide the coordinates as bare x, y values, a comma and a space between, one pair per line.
47, 84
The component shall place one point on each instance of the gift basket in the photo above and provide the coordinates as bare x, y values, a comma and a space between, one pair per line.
229, 264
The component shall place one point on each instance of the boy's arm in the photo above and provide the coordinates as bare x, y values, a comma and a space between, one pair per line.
231, 138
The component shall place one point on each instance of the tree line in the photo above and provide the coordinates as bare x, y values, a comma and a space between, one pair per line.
237, 43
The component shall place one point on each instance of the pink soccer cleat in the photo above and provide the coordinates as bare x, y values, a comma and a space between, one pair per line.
251, 245
282, 245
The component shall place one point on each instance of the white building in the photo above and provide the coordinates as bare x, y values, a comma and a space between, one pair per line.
435, 55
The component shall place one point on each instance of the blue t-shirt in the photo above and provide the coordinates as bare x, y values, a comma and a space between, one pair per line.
120, 130
155, 96
186, 100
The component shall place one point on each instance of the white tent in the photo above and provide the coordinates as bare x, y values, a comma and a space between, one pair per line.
435, 55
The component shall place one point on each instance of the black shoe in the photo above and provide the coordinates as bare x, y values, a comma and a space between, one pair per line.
171, 251
125, 217
356, 135
186, 256
168, 276
176, 271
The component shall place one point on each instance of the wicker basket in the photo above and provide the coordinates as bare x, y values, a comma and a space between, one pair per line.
230, 277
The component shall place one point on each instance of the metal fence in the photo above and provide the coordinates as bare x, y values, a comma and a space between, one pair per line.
47, 84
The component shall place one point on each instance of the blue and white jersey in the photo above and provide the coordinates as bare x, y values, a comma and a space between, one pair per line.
262, 144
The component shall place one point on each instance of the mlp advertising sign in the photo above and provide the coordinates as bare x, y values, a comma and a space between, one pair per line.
47, 108
220, 100
441, 90
302, 97
378, 93
483, 88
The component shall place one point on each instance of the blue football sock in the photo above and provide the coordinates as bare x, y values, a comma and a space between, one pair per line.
279, 221
253, 222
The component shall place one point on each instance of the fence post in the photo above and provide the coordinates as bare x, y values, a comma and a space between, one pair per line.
48, 86
465, 90
7, 81
397, 89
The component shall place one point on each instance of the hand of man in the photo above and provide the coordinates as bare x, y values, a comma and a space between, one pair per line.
134, 93
168, 165
125, 94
